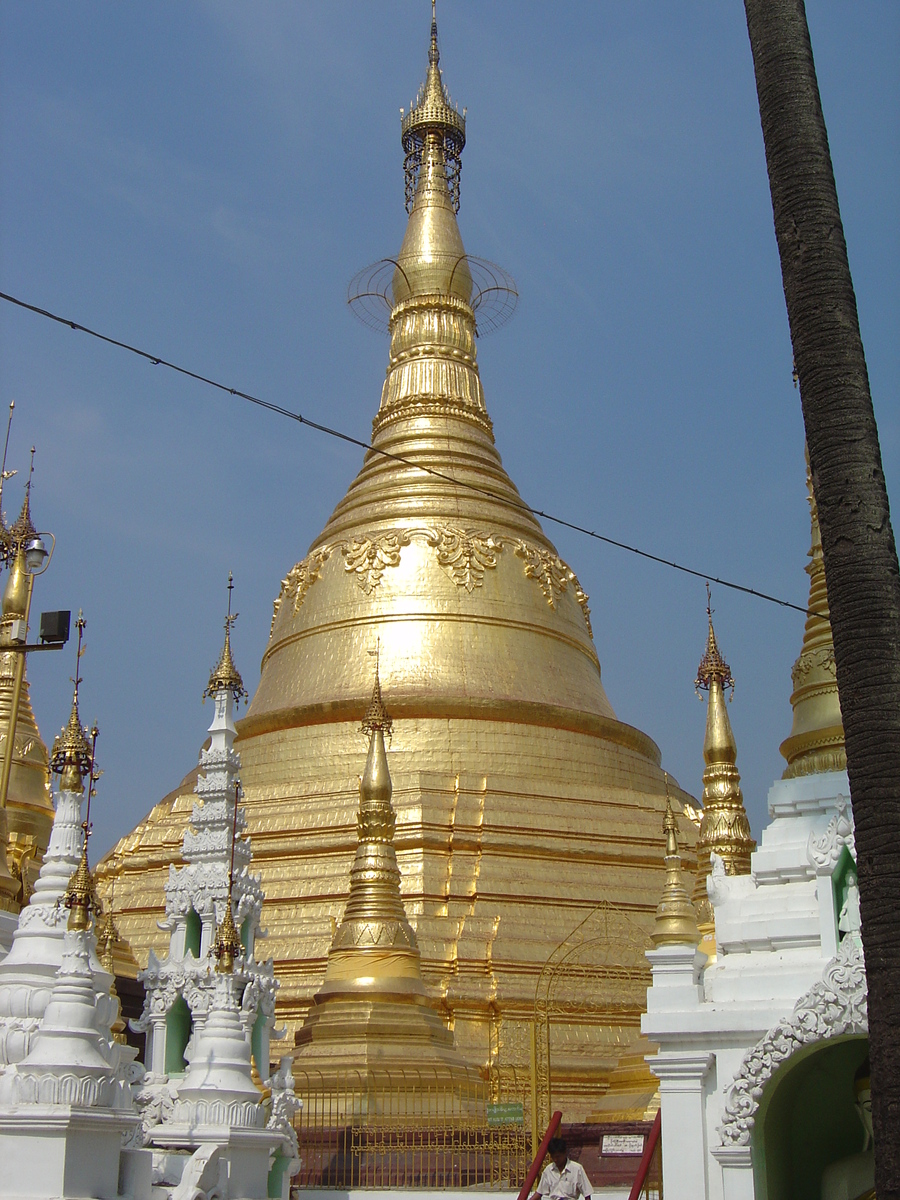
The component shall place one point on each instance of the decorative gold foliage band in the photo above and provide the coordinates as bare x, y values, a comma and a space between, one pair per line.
464, 554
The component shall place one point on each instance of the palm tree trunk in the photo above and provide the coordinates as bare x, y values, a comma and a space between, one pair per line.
860, 555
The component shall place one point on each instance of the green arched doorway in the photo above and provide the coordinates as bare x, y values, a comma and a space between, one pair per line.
807, 1118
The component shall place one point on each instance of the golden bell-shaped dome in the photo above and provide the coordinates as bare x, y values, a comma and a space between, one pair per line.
432, 550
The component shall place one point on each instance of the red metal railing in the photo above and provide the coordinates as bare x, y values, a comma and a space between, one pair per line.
534, 1169
644, 1169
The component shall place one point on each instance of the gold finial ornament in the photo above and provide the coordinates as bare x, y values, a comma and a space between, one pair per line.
72, 755
433, 119
676, 920
6, 552
712, 665
376, 715
227, 944
816, 742
80, 897
724, 827
107, 935
225, 676
23, 528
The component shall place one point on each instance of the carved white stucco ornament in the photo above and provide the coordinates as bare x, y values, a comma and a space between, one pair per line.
835, 1006
823, 852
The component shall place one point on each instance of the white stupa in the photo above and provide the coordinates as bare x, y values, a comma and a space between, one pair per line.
207, 1029
763, 1047
66, 1104
28, 973
179, 989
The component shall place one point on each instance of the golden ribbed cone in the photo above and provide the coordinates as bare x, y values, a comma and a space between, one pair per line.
373, 1006
225, 677
816, 742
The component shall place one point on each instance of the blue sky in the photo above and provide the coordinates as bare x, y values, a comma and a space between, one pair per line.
203, 179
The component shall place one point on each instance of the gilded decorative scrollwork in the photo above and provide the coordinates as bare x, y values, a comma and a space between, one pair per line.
582, 597
300, 579
547, 569
305, 574
554, 577
608, 946
821, 659
367, 557
465, 554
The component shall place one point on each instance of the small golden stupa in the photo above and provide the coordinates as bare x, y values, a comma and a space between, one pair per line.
676, 920
373, 1010
522, 802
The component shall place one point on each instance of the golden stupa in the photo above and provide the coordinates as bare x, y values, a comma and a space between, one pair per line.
373, 1011
522, 803
816, 741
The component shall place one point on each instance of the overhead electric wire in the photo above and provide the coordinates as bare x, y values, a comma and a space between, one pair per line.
158, 361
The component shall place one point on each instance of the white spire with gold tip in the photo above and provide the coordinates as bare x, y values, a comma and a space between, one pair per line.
66, 1104
66, 1107
213, 906
227, 1014
28, 971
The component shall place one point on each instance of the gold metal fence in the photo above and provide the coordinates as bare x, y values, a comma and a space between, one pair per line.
410, 1128
653, 1185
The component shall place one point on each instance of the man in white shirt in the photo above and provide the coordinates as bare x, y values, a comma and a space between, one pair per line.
562, 1179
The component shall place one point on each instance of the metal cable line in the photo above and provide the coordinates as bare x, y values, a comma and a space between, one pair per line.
157, 361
